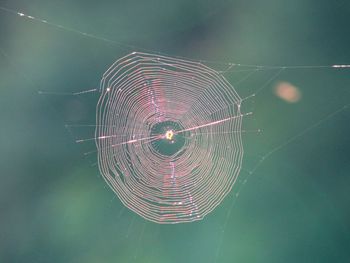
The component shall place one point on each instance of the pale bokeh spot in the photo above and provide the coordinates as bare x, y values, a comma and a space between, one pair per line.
287, 92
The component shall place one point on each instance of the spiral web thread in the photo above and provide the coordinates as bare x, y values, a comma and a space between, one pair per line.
142, 90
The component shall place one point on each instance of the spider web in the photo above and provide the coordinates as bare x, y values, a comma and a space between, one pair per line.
243, 75
138, 93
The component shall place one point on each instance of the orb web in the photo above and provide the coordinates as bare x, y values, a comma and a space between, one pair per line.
168, 136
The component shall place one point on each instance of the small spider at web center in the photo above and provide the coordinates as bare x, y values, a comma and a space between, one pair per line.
169, 135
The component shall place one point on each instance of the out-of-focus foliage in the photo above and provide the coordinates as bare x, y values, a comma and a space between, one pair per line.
54, 206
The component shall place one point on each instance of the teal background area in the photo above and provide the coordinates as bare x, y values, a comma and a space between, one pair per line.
54, 205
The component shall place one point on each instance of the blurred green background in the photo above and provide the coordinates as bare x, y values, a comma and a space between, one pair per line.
54, 205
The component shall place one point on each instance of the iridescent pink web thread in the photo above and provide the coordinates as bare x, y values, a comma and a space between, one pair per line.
141, 90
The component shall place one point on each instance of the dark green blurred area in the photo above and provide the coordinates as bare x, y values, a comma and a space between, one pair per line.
54, 205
